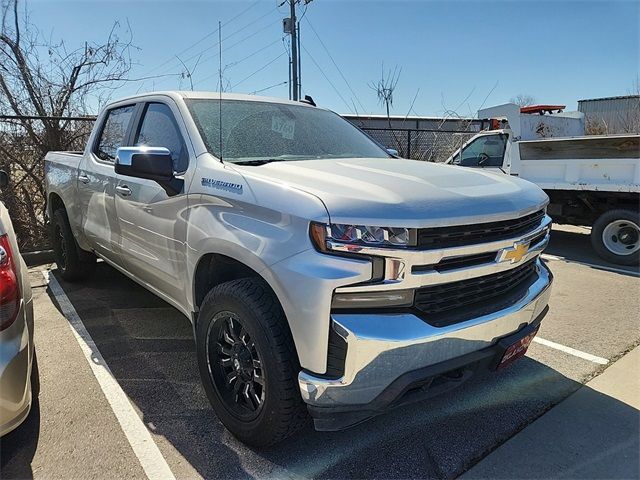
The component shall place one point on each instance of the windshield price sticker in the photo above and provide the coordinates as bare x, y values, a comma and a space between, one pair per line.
283, 126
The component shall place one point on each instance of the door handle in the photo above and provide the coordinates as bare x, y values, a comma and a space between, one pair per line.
83, 178
123, 190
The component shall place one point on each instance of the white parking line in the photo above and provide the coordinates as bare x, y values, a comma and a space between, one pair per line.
571, 351
546, 256
148, 453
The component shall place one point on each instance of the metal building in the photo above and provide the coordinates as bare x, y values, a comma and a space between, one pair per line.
611, 114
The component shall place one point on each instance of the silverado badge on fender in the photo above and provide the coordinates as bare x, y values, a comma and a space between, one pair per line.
220, 185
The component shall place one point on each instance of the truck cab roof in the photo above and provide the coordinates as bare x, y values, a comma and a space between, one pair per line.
187, 94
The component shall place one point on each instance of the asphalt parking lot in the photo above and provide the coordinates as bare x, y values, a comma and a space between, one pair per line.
73, 431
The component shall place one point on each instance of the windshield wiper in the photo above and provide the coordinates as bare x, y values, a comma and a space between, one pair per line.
279, 158
259, 162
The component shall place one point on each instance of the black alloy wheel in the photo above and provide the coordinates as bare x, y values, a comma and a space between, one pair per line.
235, 366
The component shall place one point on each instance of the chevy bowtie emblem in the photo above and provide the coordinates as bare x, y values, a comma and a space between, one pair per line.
515, 253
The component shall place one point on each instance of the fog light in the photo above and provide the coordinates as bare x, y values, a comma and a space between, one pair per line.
396, 298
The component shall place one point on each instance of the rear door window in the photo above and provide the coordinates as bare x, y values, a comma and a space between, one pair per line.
113, 132
160, 129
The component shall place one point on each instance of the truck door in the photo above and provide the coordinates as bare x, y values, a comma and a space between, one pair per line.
486, 151
152, 224
97, 181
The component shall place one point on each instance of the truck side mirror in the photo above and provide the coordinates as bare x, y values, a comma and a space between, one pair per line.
152, 163
4, 179
392, 151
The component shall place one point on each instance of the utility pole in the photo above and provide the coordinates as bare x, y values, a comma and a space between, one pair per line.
291, 26
294, 50
299, 65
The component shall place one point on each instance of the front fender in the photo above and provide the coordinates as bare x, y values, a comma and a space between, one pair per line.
259, 238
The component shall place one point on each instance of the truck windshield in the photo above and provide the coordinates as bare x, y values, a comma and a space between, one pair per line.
254, 131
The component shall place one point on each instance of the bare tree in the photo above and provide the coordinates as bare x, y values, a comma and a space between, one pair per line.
631, 118
40, 82
187, 73
523, 100
385, 88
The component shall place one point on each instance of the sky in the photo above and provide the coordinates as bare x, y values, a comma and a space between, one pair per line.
450, 55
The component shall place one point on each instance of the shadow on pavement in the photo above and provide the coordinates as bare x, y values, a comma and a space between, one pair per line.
18, 448
575, 245
598, 438
149, 347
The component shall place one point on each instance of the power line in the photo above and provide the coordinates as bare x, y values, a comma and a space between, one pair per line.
258, 71
242, 40
236, 32
233, 64
306, 6
213, 32
214, 57
325, 76
269, 87
335, 64
195, 55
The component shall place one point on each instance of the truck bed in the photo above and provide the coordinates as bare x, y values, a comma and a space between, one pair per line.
601, 163
61, 171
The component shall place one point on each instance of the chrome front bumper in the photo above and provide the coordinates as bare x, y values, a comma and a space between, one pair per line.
382, 347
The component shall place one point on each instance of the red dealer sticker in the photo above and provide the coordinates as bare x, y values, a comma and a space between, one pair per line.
517, 350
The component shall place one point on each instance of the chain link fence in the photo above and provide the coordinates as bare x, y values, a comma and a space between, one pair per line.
24, 142
428, 145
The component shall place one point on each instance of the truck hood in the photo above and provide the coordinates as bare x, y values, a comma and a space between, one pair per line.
405, 193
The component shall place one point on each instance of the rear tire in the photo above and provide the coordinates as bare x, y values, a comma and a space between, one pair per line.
248, 362
73, 263
615, 236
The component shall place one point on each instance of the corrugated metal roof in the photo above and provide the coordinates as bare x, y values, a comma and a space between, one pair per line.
609, 98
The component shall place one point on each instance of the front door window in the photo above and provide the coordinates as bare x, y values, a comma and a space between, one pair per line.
484, 151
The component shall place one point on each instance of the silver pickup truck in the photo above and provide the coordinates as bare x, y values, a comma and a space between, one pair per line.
322, 275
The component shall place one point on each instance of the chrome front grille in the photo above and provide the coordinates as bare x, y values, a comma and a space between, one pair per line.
454, 284
414, 269
456, 236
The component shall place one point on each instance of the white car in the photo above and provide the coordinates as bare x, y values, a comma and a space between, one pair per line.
19, 383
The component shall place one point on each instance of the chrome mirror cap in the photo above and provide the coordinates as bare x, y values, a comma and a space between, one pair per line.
125, 154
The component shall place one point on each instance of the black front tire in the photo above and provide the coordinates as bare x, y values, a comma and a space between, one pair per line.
73, 263
282, 411
600, 228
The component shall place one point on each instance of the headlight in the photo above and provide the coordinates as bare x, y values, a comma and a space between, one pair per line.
360, 235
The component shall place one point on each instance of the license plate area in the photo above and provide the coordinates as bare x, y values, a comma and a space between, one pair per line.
516, 350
